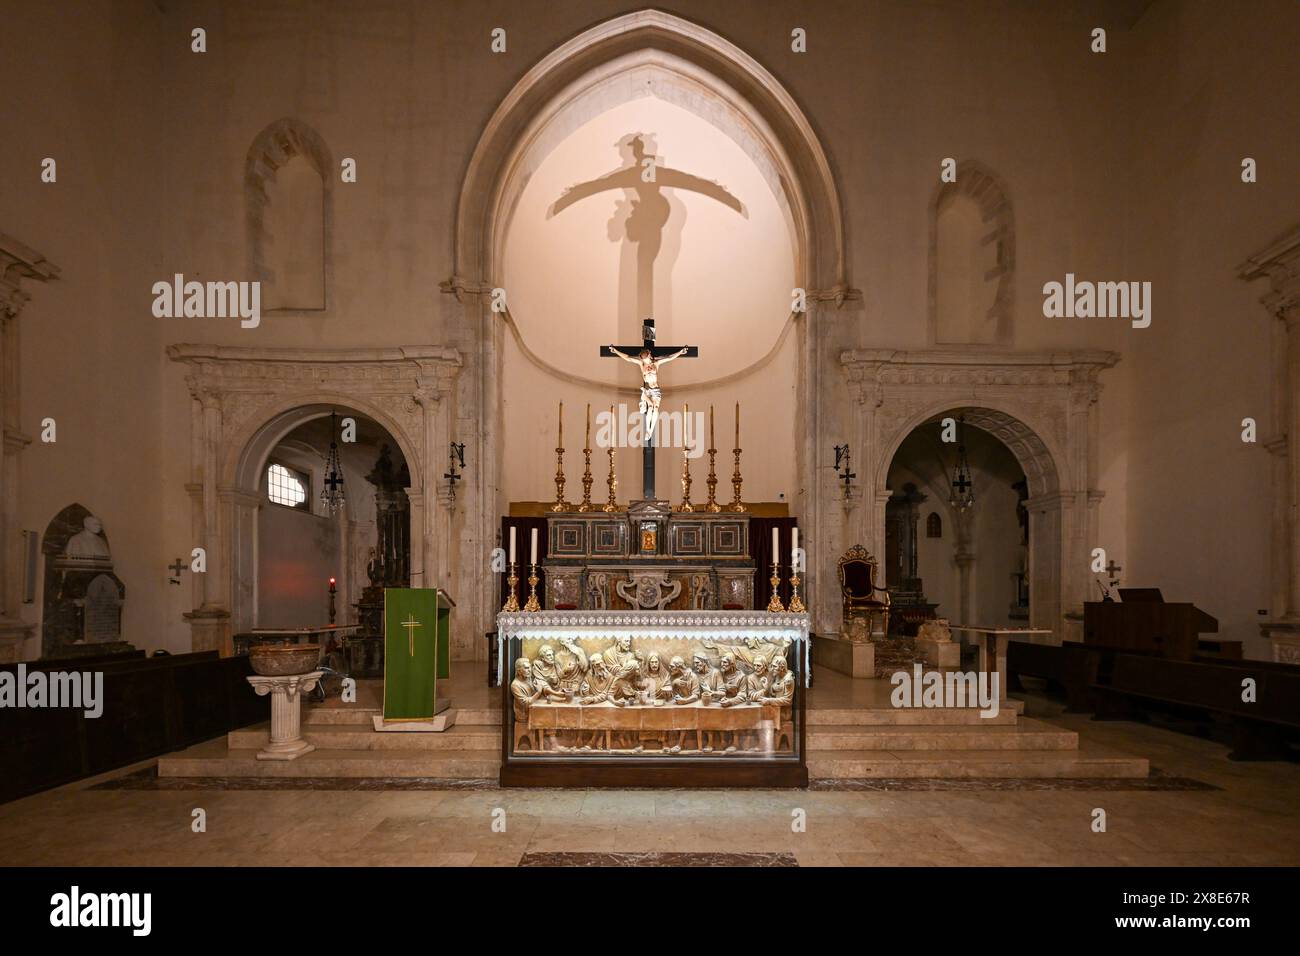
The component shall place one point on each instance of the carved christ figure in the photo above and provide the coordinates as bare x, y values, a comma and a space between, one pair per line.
651, 393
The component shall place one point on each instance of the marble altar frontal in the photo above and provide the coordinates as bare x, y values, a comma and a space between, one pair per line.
660, 686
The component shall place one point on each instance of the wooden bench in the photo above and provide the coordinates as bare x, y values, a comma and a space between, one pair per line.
1128, 685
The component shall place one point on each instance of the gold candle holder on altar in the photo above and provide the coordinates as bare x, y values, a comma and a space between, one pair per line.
796, 603
775, 605
532, 604
560, 503
736, 504
512, 579
686, 506
712, 504
586, 471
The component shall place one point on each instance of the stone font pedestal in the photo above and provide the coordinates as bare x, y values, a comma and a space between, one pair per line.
286, 714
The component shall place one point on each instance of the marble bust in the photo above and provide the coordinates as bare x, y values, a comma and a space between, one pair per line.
88, 544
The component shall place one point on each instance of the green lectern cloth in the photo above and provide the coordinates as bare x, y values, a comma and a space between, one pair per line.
417, 651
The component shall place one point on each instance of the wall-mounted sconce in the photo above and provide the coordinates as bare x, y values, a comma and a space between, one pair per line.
844, 469
457, 460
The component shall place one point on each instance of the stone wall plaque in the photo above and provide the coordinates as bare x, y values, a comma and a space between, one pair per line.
102, 611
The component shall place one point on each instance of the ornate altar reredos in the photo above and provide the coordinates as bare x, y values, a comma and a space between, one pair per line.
654, 689
649, 557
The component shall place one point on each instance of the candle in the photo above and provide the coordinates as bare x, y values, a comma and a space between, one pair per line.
712, 444
776, 547
737, 425
686, 426
512, 544
587, 447
794, 545
533, 560
559, 441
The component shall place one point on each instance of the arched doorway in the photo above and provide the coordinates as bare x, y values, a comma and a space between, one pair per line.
732, 82
956, 532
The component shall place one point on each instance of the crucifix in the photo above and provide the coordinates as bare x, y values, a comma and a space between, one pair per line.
410, 624
649, 357
176, 569
1111, 568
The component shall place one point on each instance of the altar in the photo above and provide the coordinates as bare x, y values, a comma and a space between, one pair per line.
653, 698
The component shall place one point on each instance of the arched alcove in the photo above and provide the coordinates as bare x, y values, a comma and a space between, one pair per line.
289, 203
620, 51
972, 259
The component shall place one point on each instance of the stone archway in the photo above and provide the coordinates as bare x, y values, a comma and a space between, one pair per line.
1042, 406
736, 82
245, 400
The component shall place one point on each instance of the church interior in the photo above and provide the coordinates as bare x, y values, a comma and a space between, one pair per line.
513, 435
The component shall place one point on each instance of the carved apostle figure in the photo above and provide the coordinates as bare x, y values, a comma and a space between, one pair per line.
629, 684
619, 654
546, 674
712, 686
595, 685
752, 648
780, 683
571, 662
685, 684
524, 694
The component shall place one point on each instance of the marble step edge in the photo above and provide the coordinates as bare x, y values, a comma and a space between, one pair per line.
830, 740
334, 763
315, 716
972, 764
908, 716
473, 737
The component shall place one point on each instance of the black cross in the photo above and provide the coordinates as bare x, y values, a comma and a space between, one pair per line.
961, 483
1111, 568
176, 569
658, 351
333, 481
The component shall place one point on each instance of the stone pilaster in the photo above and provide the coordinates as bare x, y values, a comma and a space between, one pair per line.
17, 262
1279, 263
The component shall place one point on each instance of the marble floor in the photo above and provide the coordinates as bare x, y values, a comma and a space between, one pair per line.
1246, 816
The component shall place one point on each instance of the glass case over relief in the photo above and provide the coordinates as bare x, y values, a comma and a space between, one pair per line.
655, 689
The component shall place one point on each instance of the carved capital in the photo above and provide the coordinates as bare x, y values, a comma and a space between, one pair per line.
1279, 262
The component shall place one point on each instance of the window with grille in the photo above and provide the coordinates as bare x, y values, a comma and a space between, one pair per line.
286, 486
934, 526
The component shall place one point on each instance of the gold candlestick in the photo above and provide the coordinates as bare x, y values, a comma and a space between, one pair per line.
736, 504
712, 504
532, 604
586, 481
560, 503
775, 604
512, 579
796, 603
686, 507
611, 482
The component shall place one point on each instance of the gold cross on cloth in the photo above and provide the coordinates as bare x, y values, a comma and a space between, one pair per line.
410, 624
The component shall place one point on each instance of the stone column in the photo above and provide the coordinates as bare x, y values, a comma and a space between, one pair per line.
17, 262
210, 621
1280, 264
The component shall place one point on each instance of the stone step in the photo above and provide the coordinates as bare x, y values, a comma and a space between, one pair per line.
361, 716
1007, 715
1026, 735
1087, 762
214, 759
463, 737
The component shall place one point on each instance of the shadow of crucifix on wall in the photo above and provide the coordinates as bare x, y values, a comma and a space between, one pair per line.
648, 221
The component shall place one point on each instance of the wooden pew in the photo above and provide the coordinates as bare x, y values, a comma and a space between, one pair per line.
151, 706
1129, 685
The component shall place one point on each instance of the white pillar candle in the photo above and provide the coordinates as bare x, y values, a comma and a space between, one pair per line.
794, 544
533, 559
512, 544
776, 547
